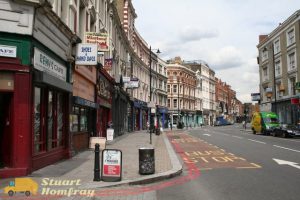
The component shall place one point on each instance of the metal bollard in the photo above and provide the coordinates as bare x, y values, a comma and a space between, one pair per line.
97, 163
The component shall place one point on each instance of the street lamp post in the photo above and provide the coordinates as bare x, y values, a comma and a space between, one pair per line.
150, 83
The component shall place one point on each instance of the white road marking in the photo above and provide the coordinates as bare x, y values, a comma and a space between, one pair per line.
207, 134
237, 137
284, 162
257, 141
286, 148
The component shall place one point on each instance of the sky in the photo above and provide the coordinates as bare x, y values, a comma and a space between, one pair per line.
223, 33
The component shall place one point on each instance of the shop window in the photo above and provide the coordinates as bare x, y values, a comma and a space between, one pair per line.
74, 117
39, 143
78, 119
83, 119
50, 119
49, 112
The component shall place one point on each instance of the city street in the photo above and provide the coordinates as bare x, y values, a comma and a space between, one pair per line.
224, 163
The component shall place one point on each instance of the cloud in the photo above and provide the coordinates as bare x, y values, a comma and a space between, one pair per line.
225, 58
190, 34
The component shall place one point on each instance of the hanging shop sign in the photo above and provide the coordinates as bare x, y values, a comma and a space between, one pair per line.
111, 169
86, 54
45, 63
255, 96
108, 64
101, 39
8, 51
133, 83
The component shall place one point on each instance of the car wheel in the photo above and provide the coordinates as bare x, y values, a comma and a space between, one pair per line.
10, 193
27, 193
273, 134
284, 134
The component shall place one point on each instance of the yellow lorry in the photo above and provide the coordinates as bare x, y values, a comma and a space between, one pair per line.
22, 185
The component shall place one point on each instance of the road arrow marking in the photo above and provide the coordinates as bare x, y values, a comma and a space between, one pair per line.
284, 162
207, 134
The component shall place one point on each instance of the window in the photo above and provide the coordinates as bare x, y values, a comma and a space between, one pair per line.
265, 74
174, 88
264, 55
38, 139
277, 46
292, 82
291, 61
72, 21
49, 112
174, 103
169, 104
290, 37
78, 119
277, 68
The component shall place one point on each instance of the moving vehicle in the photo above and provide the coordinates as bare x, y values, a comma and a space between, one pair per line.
264, 122
286, 130
220, 121
22, 185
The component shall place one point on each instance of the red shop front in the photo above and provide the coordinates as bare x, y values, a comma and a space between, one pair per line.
15, 118
104, 114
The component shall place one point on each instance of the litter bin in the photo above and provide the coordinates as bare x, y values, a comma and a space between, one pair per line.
146, 161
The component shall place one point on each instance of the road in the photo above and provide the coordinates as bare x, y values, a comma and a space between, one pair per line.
234, 164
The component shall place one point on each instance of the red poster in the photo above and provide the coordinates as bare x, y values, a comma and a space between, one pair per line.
111, 170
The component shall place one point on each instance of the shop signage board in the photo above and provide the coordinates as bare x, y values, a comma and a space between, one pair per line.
110, 134
111, 169
86, 54
8, 51
100, 39
45, 63
255, 96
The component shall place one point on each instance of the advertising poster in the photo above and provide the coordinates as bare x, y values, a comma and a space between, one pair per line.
111, 165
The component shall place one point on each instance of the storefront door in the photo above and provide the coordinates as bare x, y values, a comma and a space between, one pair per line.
5, 129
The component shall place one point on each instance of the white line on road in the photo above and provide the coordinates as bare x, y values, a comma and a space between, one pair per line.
286, 148
257, 141
237, 136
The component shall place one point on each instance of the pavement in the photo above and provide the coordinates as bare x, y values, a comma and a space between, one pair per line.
81, 166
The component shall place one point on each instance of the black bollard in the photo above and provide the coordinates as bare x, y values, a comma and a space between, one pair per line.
97, 163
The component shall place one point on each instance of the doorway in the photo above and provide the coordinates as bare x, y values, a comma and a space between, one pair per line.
5, 129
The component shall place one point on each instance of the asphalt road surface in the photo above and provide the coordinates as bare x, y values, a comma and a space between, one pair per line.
234, 164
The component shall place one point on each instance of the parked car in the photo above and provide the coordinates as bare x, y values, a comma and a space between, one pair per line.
264, 122
286, 130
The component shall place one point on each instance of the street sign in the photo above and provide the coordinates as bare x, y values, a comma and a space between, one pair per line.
111, 169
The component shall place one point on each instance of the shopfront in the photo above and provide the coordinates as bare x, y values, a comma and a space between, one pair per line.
15, 109
141, 114
104, 99
82, 122
51, 93
162, 117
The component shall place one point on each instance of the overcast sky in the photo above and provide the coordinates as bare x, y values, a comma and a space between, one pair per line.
224, 33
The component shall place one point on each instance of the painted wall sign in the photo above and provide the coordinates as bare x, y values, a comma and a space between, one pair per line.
101, 39
111, 169
86, 54
45, 63
8, 51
